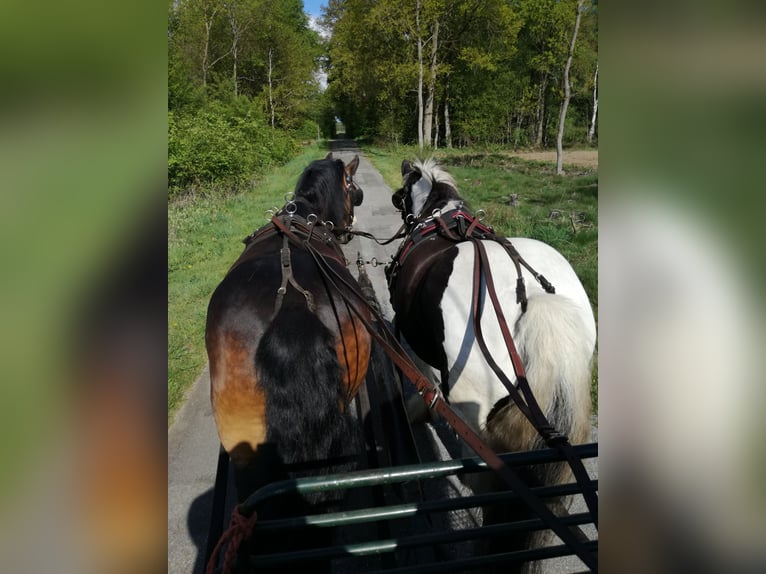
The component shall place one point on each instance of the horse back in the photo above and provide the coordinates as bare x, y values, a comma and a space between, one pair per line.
416, 292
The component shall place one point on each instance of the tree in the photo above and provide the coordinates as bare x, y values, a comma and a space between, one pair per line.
567, 91
459, 71
592, 129
241, 87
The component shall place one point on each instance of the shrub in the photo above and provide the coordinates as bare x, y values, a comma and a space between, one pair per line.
221, 143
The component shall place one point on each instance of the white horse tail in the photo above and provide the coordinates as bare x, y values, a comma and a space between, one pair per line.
553, 342
554, 346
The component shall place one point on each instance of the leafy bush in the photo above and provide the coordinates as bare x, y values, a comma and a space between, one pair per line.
222, 143
307, 131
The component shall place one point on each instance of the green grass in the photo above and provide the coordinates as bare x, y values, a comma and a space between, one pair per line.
547, 203
205, 233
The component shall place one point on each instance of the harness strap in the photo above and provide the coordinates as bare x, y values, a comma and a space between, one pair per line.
288, 277
446, 230
434, 399
517, 258
398, 235
529, 407
472, 227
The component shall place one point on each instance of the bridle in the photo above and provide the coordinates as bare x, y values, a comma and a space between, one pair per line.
354, 195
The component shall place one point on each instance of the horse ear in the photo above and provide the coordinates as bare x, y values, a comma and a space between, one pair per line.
352, 165
328, 156
406, 167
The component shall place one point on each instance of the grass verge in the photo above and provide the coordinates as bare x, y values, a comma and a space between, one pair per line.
205, 233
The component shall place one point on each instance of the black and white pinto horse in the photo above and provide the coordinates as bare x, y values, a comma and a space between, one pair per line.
432, 281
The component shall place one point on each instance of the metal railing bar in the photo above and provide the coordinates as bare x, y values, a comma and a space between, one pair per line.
394, 544
544, 553
393, 512
393, 475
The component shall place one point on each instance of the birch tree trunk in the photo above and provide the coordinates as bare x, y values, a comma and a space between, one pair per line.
207, 65
238, 26
447, 128
592, 129
271, 86
541, 111
567, 92
206, 53
235, 33
420, 76
429, 108
209, 17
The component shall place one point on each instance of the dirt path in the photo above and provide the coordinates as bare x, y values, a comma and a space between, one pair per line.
581, 157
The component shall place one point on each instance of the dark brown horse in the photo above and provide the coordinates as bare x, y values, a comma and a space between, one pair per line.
286, 354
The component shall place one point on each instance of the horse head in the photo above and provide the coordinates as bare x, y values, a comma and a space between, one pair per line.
425, 187
327, 189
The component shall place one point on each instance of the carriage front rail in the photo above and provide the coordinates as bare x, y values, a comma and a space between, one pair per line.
407, 550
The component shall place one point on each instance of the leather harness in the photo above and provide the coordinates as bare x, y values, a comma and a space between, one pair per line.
297, 231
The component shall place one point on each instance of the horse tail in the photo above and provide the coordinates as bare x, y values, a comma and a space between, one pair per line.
301, 376
551, 337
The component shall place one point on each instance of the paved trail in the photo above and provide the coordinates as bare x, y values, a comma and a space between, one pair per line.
192, 440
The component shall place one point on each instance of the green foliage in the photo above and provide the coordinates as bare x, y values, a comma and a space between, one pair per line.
242, 90
222, 144
499, 68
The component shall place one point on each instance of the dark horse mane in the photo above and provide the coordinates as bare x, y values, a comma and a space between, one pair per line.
314, 192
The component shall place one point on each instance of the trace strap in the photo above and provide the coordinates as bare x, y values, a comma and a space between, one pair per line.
287, 277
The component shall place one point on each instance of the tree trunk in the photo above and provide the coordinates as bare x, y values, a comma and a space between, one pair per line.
447, 128
207, 65
238, 26
541, 111
592, 129
205, 54
567, 92
436, 129
235, 32
429, 109
420, 76
234, 53
271, 86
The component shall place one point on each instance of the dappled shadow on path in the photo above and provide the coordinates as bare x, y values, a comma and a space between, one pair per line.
344, 145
